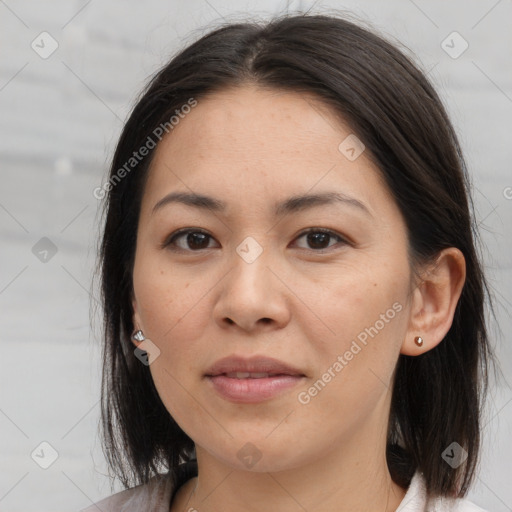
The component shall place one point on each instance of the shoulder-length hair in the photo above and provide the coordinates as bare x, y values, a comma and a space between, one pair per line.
394, 110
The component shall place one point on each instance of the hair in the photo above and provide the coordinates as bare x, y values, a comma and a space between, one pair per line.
394, 110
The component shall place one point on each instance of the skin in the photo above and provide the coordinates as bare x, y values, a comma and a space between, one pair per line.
252, 147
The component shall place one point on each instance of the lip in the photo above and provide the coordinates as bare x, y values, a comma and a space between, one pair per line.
255, 364
222, 377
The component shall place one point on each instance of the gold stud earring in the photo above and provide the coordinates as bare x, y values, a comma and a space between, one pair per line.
418, 340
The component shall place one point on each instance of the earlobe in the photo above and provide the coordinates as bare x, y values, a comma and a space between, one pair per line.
434, 301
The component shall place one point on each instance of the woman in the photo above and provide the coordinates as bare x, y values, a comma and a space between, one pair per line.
293, 300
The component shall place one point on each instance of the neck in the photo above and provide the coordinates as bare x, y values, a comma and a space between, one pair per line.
349, 477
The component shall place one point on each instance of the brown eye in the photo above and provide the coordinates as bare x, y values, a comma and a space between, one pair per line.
318, 239
188, 240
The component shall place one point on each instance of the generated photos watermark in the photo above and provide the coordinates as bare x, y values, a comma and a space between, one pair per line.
143, 151
304, 397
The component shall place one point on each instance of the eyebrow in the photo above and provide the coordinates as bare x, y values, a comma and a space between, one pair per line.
288, 206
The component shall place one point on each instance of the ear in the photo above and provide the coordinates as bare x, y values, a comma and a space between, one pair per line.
434, 301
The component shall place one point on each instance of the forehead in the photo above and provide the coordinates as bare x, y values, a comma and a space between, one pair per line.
253, 119
252, 144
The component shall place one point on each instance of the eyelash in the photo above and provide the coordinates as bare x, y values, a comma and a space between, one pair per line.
174, 236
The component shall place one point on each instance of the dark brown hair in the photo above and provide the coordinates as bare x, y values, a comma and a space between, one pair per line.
394, 110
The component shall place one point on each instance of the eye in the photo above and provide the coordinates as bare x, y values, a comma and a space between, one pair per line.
318, 238
196, 239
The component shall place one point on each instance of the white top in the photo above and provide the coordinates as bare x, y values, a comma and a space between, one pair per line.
415, 500
155, 496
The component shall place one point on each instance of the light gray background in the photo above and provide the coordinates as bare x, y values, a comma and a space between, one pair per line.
60, 118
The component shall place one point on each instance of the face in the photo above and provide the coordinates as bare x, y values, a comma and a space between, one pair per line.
320, 286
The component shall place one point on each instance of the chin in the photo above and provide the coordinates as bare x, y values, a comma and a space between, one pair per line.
260, 454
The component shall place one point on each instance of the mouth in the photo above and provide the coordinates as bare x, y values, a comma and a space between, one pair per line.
252, 380
251, 375
256, 367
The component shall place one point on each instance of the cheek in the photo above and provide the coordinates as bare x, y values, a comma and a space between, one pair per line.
176, 306
351, 298
174, 313
359, 316
355, 360
171, 305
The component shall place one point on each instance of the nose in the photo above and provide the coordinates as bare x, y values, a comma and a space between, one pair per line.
252, 296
